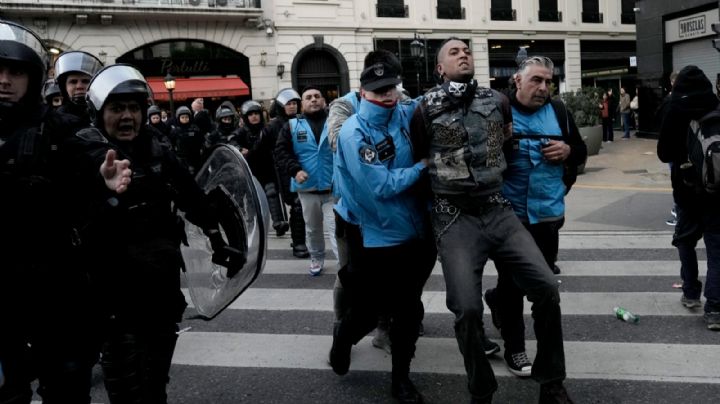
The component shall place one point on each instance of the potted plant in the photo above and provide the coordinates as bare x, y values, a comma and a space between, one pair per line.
583, 105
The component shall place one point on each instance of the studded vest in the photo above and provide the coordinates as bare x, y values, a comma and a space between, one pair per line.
465, 143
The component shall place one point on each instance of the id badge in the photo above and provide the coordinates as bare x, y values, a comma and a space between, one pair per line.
302, 136
385, 149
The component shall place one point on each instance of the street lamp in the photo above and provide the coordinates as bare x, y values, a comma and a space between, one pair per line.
417, 51
170, 86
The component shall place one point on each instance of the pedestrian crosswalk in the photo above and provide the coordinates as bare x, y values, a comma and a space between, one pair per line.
271, 344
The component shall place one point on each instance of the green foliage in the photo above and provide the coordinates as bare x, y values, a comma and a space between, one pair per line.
583, 104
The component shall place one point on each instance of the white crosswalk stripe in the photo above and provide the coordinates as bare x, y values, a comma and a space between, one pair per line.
642, 352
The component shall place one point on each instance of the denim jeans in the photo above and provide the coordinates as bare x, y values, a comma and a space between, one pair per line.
510, 297
692, 223
626, 124
465, 242
318, 211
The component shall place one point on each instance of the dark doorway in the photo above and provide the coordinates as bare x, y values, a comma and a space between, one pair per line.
321, 68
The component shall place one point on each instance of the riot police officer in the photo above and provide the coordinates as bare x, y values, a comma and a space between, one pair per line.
154, 119
187, 138
36, 241
257, 148
73, 71
226, 127
52, 94
286, 106
141, 253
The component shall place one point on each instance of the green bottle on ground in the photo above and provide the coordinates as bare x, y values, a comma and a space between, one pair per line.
626, 315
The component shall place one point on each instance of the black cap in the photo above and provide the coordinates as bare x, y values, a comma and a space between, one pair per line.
378, 76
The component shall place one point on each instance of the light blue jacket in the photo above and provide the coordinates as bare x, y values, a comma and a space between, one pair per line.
372, 184
315, 159
533, 185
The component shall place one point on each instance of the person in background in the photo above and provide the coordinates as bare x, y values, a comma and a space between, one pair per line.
692, 109
155, 120
258, 151
53, 96
187, 139
606, 117
73, 71
624, 109
284, 107
303, 150
201, 116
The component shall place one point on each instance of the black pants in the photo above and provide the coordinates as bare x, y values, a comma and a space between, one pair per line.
385, 280
136, 362
510, 297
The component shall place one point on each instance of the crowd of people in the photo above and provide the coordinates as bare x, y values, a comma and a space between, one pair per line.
460, 175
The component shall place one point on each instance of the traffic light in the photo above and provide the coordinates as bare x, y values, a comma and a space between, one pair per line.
716, 41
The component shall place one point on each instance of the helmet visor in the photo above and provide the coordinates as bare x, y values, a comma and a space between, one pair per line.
116, 79
77, 62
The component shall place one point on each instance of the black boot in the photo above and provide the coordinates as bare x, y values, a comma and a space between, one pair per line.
404, 391
277, 210
297, 231
554, 393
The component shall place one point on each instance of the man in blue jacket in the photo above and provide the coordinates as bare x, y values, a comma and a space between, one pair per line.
390, 249
303, 150
542, 162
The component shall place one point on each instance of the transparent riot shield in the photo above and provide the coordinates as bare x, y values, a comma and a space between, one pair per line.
242, 208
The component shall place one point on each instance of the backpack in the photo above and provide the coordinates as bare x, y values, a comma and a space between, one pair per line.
704, 151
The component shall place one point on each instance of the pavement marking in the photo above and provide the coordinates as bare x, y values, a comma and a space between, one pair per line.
684, 363
622, 188
569, 268
573, 303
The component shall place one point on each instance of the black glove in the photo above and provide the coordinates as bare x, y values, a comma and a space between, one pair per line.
229, 257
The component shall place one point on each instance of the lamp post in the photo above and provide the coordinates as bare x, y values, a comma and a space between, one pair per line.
170, 86
417, 51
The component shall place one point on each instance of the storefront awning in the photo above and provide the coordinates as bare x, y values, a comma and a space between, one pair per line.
199, 87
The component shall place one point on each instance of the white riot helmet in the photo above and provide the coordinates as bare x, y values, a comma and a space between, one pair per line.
75, 62
21, 46
119, 79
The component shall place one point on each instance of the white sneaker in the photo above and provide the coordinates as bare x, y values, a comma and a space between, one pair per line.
316, 266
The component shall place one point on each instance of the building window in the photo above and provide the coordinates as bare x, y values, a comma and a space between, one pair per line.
549, 11
501, 10
627, 14
450, 10
392, 9
591, 12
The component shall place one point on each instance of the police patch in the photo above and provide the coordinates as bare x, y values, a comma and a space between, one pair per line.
368, 154
378, 70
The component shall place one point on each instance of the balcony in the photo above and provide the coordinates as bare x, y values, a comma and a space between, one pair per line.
627, 18
392, 10
144, 9
592, 18
550, 15
451, 13
503, 14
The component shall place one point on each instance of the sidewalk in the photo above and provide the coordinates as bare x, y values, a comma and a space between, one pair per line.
624, 188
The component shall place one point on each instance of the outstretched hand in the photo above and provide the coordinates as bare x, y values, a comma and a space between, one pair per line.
116, 173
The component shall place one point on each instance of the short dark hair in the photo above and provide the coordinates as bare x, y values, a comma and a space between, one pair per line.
311, 87
382, 56
442, 44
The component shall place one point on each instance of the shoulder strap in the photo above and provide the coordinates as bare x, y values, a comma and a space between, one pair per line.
562, 116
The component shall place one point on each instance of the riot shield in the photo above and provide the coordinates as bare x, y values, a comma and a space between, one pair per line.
242, 209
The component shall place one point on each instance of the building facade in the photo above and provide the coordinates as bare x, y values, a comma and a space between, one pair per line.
272, 44
671, 35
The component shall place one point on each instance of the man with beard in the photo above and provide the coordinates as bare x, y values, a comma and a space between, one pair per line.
44, 296
463, 128
258, 151
303, 150
73, 71
285, 106
134, 235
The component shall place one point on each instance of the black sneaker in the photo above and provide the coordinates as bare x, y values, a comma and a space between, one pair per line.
690, 303
492, 305
556, 269
554, 393
712, 319
518, 364
300, 250
490, 347
404, 392
281, 228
